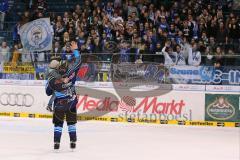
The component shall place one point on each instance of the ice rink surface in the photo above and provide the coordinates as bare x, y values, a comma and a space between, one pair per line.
31, 139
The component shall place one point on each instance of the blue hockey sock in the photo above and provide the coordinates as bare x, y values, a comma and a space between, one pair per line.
57, 133
72, 133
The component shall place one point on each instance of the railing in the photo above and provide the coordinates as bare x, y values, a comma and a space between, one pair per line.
45, 57
226, 60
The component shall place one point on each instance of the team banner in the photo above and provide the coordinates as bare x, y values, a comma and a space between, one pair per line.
191, 74
204, 75
222, 107
37, 35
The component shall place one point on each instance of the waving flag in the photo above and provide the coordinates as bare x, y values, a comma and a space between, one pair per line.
37, 35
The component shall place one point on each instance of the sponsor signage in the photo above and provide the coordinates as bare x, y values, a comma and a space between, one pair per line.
222, 107
174, 107
16, 99
20, 69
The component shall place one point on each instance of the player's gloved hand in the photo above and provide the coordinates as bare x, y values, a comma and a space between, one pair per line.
49, 108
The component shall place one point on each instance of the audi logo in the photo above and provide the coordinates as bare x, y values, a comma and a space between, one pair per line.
16, 99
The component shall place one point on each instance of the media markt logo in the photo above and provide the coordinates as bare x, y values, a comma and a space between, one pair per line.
220, 108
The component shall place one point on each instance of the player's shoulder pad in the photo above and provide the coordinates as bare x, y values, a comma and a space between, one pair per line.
76, 54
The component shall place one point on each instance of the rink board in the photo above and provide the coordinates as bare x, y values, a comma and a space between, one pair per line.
183, 105
111, 119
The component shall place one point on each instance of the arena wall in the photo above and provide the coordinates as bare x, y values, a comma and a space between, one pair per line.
183, 105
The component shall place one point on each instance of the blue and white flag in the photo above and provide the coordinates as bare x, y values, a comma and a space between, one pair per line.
37, 35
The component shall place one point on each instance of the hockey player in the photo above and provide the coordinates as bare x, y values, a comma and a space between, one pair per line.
65, 97
73, 58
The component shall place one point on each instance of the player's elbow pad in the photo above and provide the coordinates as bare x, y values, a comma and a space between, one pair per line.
49, 91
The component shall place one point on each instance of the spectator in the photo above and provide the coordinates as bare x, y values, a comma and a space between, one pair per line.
117, 3
66, 38
25, 18
16, 56
131, 8
188, 29
56, 50
67, 52
58, 32
3, 9
164, 25
89, 45
212, 44
97, 47
209, 57
66, 18
147, 26
232, 60
194, 57
4, 52
218, 58
26, 56
222, 37
124, 53
180, 56
16, 36
234, 36
80, 39
159, 58
169, 56
41, 5
204, 38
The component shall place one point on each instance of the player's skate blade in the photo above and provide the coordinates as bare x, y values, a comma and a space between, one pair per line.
73, 145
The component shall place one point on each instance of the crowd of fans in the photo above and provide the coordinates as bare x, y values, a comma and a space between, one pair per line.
179, 32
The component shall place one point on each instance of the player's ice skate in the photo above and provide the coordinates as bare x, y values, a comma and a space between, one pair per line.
72, 146
56, 147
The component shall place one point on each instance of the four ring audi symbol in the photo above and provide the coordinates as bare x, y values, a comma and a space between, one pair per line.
16, 99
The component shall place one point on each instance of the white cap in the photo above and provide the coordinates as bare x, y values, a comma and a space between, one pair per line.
54, 64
